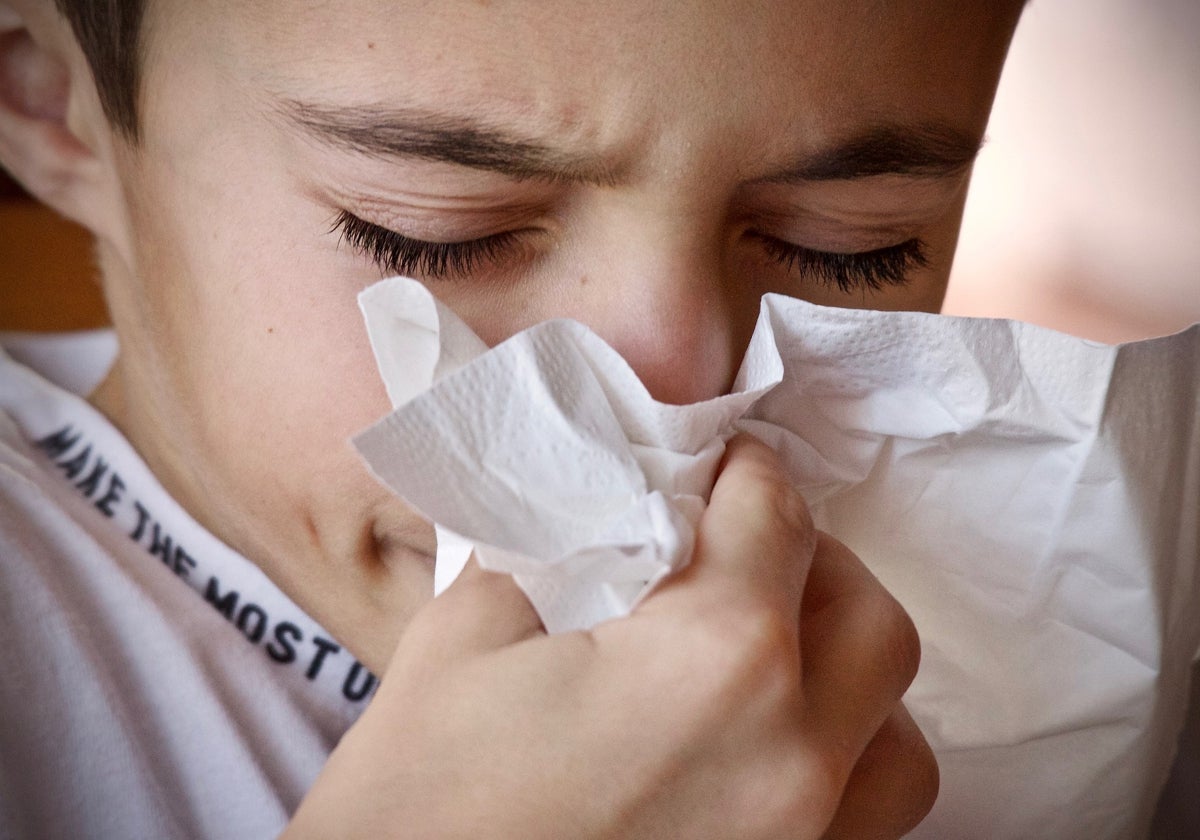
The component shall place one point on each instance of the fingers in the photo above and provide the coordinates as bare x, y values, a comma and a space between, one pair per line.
893, 786
480, 612
856, 642
755, 540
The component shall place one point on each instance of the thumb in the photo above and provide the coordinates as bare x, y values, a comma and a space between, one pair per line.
481, 611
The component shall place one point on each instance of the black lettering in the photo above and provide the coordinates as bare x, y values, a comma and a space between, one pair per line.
90, 484
182, 562
143, 518
105, 503
324, 647
58, 443
226, 604
356, 693
252, 613
74, 466
281, 649
160, 543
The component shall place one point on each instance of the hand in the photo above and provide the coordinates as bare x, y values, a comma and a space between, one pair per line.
754, 695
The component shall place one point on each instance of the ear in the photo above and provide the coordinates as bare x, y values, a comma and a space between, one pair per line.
54, 138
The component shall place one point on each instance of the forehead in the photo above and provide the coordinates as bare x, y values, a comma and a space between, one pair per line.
594, 65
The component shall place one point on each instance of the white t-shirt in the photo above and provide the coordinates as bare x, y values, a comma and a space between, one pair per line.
153, 683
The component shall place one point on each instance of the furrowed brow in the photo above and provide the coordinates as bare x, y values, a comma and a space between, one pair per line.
425, 135
924, 151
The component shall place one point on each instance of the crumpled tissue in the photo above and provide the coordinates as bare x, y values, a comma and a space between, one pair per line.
1032, 499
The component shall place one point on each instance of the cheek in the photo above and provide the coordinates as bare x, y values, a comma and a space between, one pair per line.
287, 377
262, 352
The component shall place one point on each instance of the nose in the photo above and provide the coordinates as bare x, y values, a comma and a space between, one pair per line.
666, 304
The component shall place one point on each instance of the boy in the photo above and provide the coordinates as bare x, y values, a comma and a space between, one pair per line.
247, 169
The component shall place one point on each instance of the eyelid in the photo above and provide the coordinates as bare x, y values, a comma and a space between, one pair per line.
434, 224
829, 236
443, 213
887, 206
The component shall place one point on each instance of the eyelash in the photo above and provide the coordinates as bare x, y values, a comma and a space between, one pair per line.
863, 271
399, 254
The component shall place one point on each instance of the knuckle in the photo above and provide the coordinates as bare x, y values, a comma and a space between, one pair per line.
901, 642
787, 507
924, 781
894, 645
899, 773
927, 785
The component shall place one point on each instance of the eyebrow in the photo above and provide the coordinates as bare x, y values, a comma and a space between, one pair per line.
926, 150
426, 135
920, 151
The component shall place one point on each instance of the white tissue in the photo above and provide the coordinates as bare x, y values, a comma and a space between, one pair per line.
1032, 499
576, 482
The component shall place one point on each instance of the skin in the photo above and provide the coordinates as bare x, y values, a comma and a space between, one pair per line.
244, 367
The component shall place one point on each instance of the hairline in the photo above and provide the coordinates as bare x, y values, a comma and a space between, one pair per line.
110, 34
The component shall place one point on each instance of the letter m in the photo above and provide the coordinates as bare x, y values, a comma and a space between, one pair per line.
226, 604
59, 442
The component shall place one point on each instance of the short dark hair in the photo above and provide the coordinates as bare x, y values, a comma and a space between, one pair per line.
109, 32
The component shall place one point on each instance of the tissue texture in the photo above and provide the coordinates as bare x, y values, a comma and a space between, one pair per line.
1032, 499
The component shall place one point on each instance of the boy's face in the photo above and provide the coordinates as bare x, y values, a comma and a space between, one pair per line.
649, 169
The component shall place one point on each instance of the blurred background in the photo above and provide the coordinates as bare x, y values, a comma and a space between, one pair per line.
46, 272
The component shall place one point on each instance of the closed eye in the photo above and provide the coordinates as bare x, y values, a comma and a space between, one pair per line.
395, 253
863, 271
